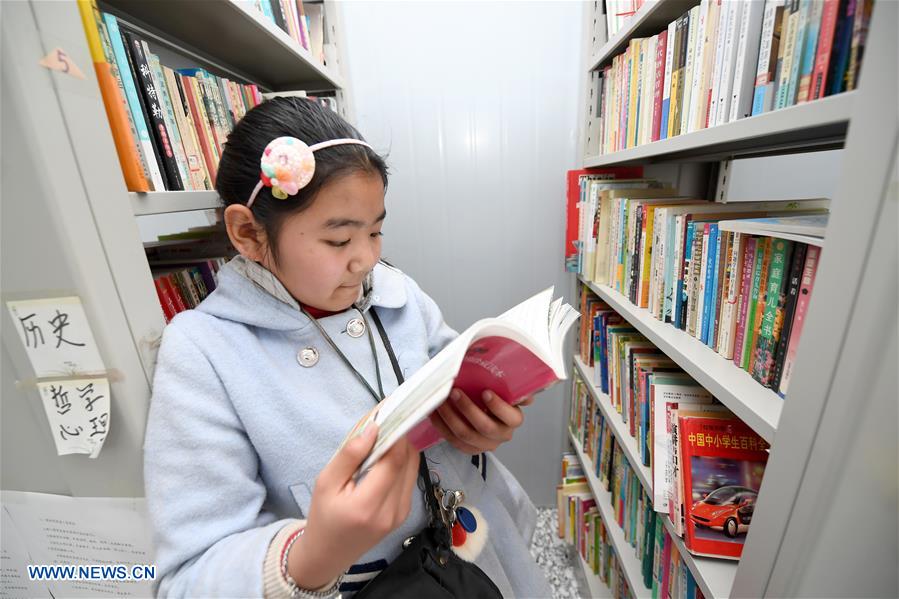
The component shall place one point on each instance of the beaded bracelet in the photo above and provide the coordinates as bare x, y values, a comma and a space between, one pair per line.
295, 591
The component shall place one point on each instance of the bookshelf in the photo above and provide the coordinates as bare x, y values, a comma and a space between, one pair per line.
629, 562
714, 576
757, 406
79, 230
164, 202
818, 125
837, 379
594, 584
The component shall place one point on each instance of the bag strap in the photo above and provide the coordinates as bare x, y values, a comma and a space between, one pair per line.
423, 474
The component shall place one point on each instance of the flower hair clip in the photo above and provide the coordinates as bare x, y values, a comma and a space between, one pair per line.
288, 164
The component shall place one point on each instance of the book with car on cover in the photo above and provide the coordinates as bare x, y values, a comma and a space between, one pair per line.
514, 355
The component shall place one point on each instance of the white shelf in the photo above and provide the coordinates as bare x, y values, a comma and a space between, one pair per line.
619, 428
629, 563
754, 404
714, 576
652, 18
164, 202
596, 587
232, 33
817, 125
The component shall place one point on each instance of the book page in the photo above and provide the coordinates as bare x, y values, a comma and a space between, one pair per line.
61, 530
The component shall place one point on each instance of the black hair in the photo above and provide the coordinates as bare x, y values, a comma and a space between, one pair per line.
307, 120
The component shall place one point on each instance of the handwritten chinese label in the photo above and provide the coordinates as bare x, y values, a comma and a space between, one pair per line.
56, 336
78, 411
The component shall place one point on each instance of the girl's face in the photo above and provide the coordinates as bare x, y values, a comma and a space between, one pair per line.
325, 252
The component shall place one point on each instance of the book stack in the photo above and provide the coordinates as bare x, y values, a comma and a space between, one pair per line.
662, 568
303, 22
726, 60
738, 277
182, 286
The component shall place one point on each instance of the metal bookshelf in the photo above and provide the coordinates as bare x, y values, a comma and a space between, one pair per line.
804, 538
757, 406
619, 428
714, 576
626, 554
80, 231
210, 29
164, 202
818, 125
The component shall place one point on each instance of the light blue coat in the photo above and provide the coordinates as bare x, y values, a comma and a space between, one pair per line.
238, 432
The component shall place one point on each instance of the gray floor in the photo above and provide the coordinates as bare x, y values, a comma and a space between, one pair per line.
557, 558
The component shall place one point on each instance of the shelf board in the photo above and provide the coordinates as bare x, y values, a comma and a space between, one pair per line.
714, 576
626, 554
619, 428
817, 125
754, 404
652, 18
164, 202
596, 587
233, 33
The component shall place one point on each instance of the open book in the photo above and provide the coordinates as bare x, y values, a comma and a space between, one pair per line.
515, 355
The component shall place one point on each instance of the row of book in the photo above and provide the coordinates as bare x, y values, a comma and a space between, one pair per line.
662, 568
707, 465
168, 125
181, 287
304, 22
725, 60
738, 276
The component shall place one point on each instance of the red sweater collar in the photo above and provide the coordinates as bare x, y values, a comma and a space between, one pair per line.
317, 312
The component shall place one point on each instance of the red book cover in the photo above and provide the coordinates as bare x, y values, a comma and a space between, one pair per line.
170, 287
661, 47
573, 195
165, 300
499, 364
723, 464
745, 291
812, 258
825, 45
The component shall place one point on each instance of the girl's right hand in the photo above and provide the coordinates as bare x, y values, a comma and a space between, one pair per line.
347, 519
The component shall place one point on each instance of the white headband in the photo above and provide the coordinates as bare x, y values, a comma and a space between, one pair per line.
288, 165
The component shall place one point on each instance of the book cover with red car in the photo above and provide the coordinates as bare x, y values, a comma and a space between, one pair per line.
723, 462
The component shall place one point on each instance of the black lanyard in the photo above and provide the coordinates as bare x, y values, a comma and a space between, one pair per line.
423, 475
374, 352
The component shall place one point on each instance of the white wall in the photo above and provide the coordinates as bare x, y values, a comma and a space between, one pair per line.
476, 105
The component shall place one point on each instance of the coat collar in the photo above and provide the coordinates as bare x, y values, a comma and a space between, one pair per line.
384, 287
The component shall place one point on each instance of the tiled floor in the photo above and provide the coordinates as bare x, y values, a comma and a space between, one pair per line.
556, 559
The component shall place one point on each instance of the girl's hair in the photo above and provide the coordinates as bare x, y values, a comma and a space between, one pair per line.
308, 121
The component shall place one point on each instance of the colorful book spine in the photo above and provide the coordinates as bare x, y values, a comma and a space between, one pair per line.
731, 305
134, 105
666, 84
161, 135
801, 32
763, 93
842, 44
809, 271
750, 253
775, 298
859, 35
754, 327
168, 115
711, 281
809, 49
797, 262
747, 58
829, 15
113, 101
661, 58
785, 66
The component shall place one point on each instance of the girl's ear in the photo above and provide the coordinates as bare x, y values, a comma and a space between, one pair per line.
247, 236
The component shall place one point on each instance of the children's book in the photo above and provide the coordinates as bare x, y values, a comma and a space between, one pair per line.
723, 461
514, 355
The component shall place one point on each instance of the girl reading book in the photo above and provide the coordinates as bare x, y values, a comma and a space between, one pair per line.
255, 389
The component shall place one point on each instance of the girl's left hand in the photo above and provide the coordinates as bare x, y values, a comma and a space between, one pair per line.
473, 430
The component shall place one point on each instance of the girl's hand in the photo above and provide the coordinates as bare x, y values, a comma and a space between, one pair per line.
472, 430
347, 519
